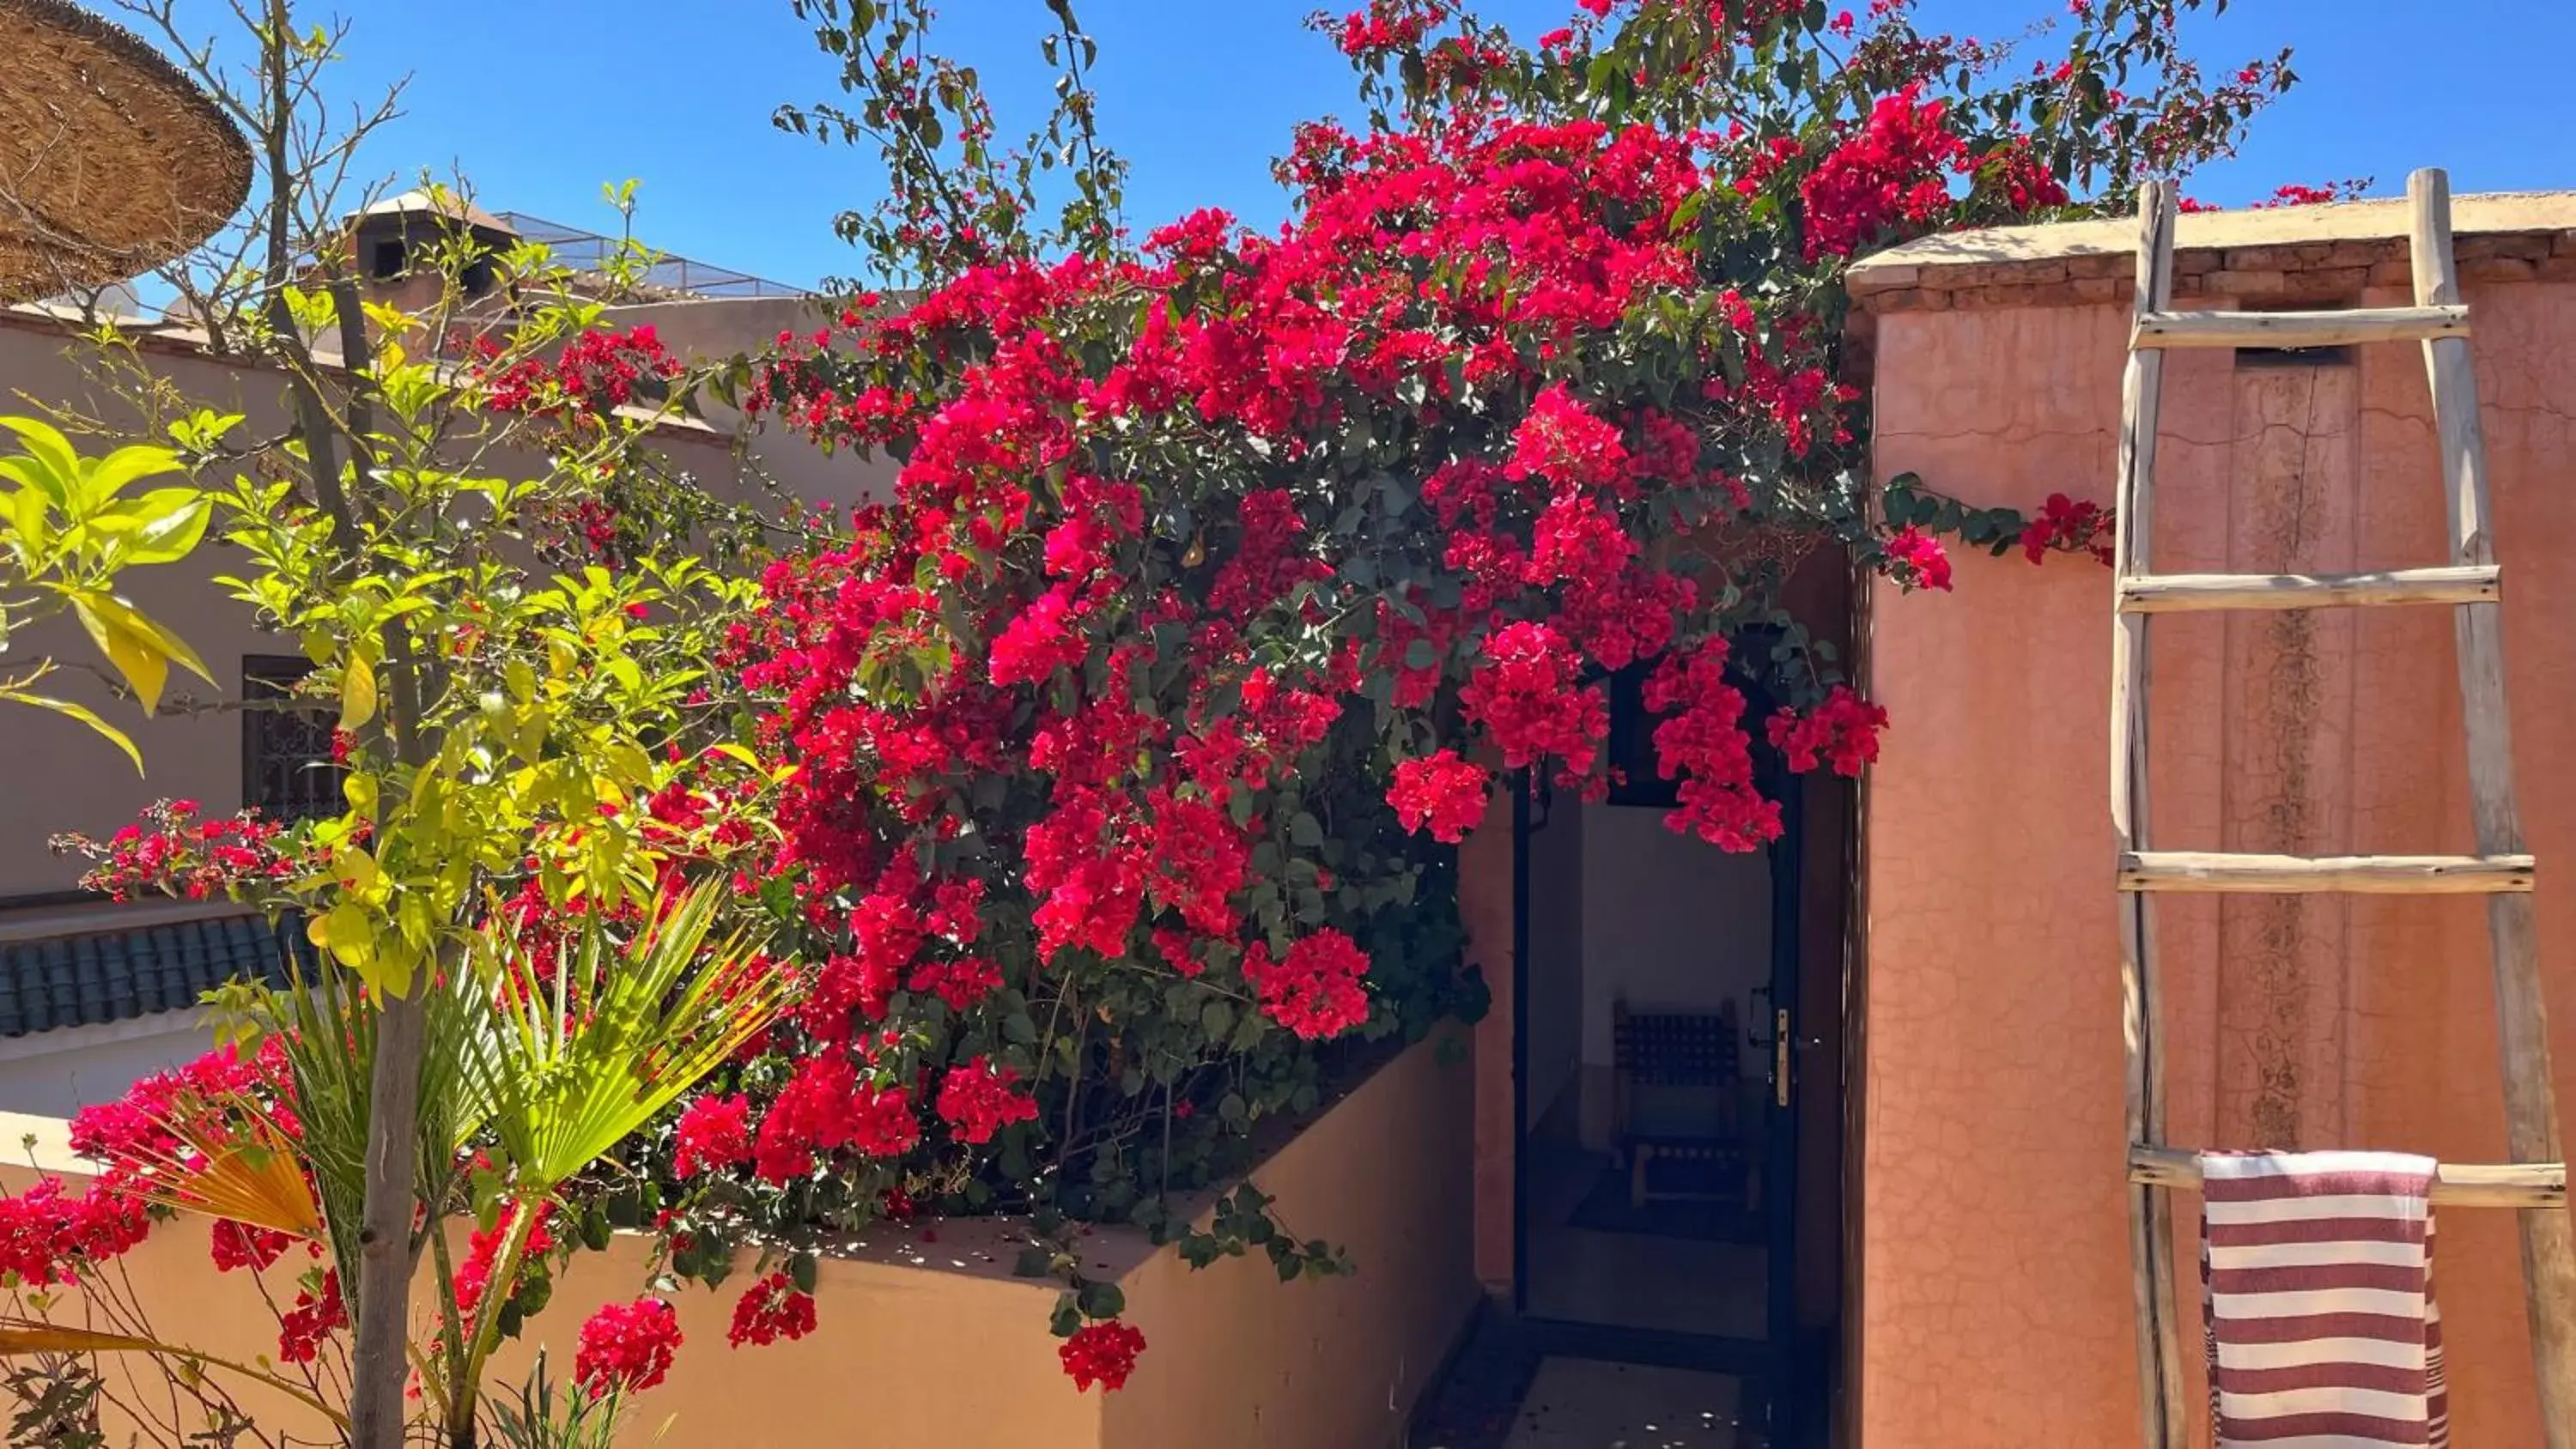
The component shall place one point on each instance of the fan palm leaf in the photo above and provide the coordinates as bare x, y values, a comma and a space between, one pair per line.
587, 1048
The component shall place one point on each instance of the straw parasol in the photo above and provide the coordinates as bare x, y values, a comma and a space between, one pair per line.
111, 160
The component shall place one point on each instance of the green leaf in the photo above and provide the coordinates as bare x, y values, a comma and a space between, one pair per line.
82, 713
1102, 1300
662, 1008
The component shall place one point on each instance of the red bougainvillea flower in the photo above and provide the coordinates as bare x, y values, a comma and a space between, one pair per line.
2296, 194
825, 1106
241, 1245
1701, 743
46, 1237
1567, 445
598, 371
1440, 792
1102, 1353
1843, 731
170, 851
1525, 696
712, 1135
772, 1310
1917, 559
1890, 170
627, 1346
2068, 525
483, 1248
315, 1315
976, 1098
1314, 990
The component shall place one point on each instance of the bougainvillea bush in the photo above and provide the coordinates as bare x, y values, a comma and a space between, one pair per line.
1227, 577
1098, 794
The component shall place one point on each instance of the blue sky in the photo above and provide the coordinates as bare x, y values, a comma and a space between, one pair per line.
541, 101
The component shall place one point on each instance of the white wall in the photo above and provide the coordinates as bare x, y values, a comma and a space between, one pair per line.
55, 1073
1620, 905
1668, 920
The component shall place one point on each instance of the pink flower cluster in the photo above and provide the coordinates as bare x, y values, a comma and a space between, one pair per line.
627, 1347
171, 851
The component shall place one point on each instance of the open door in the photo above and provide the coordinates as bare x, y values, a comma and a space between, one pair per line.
1657, 984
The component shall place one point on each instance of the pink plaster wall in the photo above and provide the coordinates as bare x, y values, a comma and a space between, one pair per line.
1994, 1273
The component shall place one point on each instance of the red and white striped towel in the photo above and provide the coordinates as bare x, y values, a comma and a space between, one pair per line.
2319, 1274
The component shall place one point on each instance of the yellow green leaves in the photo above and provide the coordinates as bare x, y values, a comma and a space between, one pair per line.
66, 530
163, 526
141, 649
357, 693
348, 932
67, 519
199, 432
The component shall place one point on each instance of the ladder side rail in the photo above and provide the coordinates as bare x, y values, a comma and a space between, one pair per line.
2163, 1415
2531, 1109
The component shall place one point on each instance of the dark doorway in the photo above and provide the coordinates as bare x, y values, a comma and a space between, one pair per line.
1658, 1083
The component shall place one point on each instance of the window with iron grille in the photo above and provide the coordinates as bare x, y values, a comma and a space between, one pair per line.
287, 773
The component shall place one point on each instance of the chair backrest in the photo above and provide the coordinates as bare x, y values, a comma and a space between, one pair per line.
1674, 1048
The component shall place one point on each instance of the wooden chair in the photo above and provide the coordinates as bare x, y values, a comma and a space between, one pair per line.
1676, 1095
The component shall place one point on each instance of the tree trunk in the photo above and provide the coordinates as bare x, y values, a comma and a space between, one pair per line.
382, 1354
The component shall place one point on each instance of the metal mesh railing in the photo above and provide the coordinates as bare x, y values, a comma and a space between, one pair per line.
591, 251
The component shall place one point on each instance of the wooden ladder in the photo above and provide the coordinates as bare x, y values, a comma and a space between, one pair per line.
2536, 1180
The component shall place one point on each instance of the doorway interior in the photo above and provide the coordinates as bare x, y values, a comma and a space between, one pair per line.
1674, 1204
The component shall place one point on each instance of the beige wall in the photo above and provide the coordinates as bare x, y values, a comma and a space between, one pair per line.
1996, 1275
717, 327
892, 1315
925, 1337
1236, 1358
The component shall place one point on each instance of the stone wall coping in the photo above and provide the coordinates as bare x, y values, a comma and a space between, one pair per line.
2276, 256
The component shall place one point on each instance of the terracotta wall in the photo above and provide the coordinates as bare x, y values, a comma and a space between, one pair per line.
1994, 1289
926, 1337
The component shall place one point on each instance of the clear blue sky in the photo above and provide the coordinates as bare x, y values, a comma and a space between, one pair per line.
540, 101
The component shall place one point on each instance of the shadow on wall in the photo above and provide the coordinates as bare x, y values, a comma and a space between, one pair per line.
1233, 1356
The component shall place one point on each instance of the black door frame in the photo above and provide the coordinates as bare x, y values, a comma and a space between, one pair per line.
1779, 1384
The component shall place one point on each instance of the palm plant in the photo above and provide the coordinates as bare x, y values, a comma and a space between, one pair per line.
541, 1062
540, 1416
579, 1049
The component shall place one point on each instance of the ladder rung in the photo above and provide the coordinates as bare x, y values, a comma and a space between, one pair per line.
2174, 593
2298, 329
2455, 1184
2181, 870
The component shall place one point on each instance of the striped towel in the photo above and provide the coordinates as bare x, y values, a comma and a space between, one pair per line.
2322, 1330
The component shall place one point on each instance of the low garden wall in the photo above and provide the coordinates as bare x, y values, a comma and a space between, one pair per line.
924, 1335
